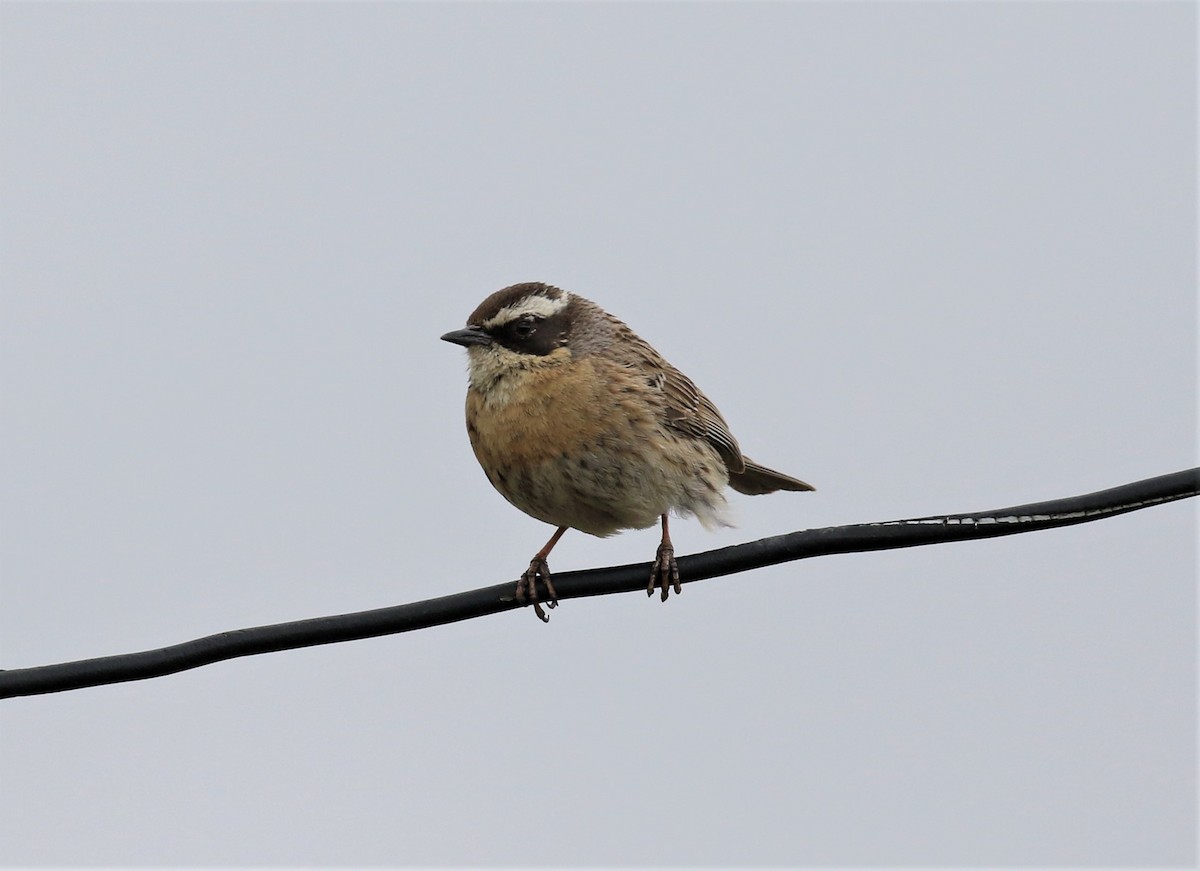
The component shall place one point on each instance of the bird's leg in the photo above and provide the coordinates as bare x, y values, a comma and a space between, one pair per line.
539, 569
664, 573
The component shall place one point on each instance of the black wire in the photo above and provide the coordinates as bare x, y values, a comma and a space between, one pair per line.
598, 582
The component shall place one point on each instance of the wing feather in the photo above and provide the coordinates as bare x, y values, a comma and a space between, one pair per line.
687, 409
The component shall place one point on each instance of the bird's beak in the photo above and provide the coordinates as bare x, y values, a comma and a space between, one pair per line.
468, 337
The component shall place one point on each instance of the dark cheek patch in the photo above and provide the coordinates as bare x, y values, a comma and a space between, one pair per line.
550, 334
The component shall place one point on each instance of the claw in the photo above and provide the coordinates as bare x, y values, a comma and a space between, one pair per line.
664, 574
527, 587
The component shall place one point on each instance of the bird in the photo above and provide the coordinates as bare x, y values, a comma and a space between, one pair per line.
582, 424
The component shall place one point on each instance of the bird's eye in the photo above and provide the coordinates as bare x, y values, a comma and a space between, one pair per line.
524, 328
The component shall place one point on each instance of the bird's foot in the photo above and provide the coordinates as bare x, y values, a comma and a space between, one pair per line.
527, 592
664, 574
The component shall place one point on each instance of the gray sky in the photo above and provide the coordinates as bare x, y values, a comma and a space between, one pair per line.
931, 258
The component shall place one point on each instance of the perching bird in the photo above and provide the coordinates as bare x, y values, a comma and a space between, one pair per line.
580, 423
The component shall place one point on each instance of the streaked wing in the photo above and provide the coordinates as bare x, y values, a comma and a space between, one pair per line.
687, 408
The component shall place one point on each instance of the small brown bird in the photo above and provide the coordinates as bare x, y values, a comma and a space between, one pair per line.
580, 423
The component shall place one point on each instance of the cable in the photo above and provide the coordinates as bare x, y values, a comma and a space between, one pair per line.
599, 582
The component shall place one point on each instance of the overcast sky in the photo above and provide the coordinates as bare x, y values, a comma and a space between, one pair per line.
930, 257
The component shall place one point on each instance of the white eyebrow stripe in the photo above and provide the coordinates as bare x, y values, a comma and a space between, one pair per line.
534, 304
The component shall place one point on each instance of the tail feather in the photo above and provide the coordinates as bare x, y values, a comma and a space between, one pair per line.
756, 480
